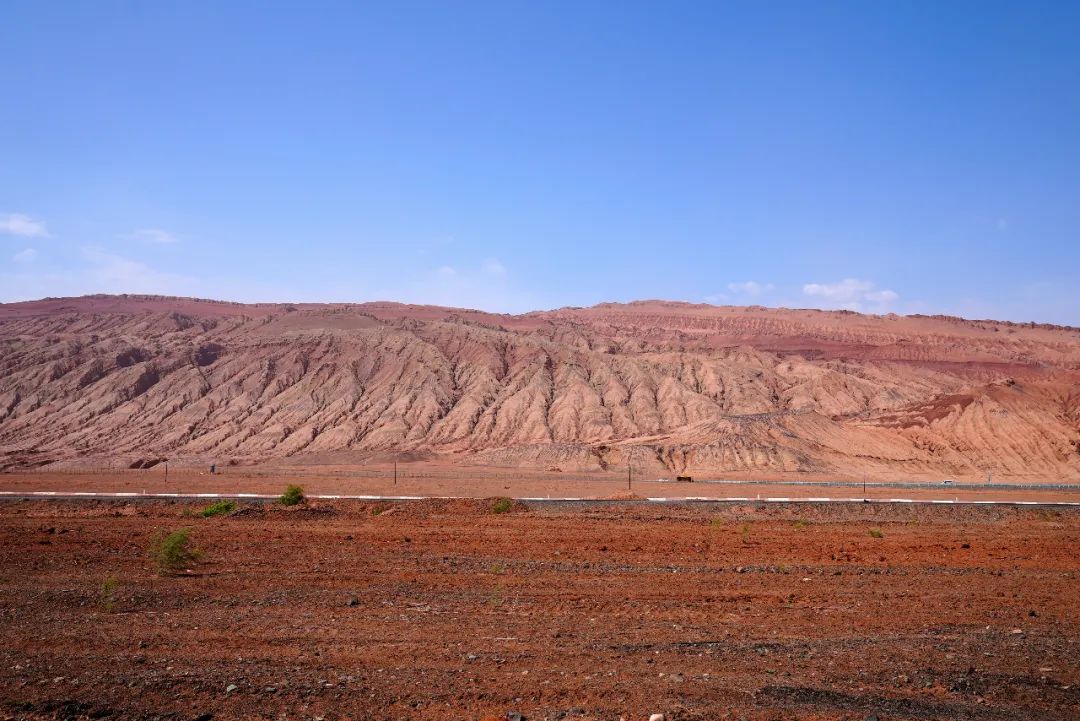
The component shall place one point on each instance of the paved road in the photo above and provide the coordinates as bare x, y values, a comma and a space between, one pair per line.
91, 495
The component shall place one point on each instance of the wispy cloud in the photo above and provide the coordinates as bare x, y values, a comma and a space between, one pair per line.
750, 287
156, 236
492, 266
486, 286
851, 294
93, 270
23, 226
27, 255
744, 292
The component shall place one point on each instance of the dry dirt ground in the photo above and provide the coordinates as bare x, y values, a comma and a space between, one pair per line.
446, 610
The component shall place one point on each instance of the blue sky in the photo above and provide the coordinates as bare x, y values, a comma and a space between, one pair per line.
908, 157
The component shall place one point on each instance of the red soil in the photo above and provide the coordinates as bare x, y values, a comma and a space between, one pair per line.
444, 610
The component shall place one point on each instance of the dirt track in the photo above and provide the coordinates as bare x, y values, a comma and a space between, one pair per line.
757, 612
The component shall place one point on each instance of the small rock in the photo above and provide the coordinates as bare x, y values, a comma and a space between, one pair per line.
204, 717
231, 687
514, 716
657, 717
353, 601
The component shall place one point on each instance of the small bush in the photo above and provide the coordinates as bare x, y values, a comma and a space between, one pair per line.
107, 594
801, 524
174, 551
495, 599
876, 533
502, 505
744, 532
219, 509
293, 495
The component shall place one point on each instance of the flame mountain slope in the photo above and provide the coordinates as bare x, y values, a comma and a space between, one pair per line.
672, 387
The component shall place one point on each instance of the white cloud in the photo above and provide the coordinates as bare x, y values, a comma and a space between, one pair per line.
94, 271
741, 292
23, 226
852, 294
27, 255
750, 287
156, 236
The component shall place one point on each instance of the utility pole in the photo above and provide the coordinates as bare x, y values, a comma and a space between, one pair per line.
395, 473
166, 473
629, 475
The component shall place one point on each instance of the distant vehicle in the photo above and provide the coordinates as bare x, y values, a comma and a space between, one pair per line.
684, 479
948, 482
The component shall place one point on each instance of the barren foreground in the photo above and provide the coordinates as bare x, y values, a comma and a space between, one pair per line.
441, 609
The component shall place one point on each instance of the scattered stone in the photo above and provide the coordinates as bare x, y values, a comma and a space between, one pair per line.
231, 687
657, 717
353, 601
514, 716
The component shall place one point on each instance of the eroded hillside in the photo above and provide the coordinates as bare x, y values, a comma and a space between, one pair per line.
672, 387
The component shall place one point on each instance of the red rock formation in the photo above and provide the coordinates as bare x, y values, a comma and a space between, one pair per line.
673, 386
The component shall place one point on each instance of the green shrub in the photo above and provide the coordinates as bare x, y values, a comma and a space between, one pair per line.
801, 524
877, 533
219, 508
293, 495
107, 595
744, 532
174, 551
502, 505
